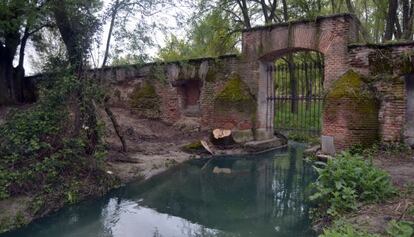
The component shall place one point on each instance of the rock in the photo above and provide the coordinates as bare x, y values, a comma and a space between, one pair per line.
243, 136
257, 146
323, 157
218, 170
188, 124
312, 150
410, 142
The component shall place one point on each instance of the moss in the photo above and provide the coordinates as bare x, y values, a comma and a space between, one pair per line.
211, 74
145, 100
236, 95
350, 85
157, 72
406, 65
194, 148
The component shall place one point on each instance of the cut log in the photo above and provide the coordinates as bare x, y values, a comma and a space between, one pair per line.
222, 137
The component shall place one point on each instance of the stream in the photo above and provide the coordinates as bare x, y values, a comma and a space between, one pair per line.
262, 195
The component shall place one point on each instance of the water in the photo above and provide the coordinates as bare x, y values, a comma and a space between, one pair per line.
263, 196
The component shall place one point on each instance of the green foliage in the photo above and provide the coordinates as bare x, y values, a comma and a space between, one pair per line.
345, 230
33, 149
208, 37
400, 228
348, 180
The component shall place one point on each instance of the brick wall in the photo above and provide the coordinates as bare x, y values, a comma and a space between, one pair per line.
383, 66
333, 36
171, 81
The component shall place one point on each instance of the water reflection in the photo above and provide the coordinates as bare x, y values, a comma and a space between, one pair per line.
262, 196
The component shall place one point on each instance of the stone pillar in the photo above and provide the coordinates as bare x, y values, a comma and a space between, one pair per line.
265, 110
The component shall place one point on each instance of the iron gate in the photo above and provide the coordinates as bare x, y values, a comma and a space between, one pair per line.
297, 97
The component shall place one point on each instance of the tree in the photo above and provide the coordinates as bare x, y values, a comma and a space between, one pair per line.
19, 20
77, 23
209, 37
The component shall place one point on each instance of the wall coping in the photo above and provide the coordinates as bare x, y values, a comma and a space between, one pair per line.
380, 45
300, 21
138, 66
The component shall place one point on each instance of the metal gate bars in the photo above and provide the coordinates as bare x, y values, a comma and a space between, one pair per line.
297, 97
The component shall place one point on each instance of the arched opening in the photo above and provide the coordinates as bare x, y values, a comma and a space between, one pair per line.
296, 96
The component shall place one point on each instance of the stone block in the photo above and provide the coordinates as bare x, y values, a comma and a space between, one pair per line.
328, 146
243, 136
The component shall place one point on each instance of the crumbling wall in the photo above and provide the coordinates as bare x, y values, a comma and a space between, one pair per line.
387, 66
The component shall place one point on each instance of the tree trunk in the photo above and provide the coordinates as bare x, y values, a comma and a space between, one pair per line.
111, 27
4, 88
294, 108
117, 128
245, 12
285, 11
408, 23
222, 138
391, 18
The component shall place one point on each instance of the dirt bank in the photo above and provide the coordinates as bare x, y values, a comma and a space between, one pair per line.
153, 147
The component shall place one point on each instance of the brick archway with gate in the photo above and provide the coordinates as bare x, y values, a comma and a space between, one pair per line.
328, 35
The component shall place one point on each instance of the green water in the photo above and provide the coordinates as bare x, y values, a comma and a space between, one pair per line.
263, 196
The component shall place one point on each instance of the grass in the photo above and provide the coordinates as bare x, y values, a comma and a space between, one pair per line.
304, 123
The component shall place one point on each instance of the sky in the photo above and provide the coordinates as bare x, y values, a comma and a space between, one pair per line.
166, 18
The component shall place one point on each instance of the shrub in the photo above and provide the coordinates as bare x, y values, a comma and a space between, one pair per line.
348, 180
345, 230
400, 229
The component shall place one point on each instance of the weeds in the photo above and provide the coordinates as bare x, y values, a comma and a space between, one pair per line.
347, 181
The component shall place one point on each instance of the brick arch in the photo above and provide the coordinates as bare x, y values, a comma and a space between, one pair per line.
328, 35
274, 55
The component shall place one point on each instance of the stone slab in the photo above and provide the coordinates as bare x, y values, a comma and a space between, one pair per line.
328, 146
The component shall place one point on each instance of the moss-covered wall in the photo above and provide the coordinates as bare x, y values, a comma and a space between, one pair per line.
235, 96
350, 112
234, 105
145, 101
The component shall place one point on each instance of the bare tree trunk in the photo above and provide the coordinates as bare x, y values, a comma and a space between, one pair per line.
245, 12
362, 29
408, 21
117, 128
111, 27
391, 18
285, 11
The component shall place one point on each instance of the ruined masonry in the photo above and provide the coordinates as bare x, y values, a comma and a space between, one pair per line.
369, 88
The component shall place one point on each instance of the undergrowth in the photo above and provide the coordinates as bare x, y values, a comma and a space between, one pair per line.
347, 181
343, 229
37, 149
